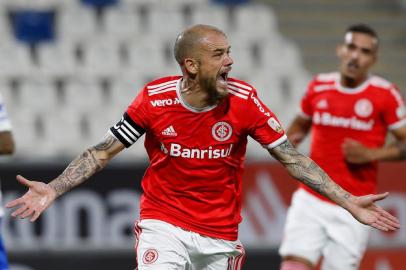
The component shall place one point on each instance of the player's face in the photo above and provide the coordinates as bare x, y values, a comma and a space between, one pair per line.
357, 55
215, 64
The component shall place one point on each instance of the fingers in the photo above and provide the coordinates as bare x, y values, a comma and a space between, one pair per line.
19, 211
35, 216
15, 203
378, 197
383, 225
24, 181
378, 225
350, 141
27, 213
388, 218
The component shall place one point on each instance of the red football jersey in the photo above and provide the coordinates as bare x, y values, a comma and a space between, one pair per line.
364, 114
196, 155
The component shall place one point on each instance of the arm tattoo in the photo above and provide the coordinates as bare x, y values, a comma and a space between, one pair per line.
308, 172
83, 167
402, 149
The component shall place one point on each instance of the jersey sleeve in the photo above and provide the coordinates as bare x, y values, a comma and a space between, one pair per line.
394, 110
133, 123
264, 126
306, 109
5, 124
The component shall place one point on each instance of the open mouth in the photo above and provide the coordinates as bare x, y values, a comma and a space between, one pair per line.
353, 65
223, 76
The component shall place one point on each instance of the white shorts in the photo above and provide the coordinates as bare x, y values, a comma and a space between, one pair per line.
314, 228
163, 246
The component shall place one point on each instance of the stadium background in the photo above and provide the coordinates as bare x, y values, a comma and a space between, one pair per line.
68, 68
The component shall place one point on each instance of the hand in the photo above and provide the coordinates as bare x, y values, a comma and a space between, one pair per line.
38, 197
365, 211
296, 138
355, 152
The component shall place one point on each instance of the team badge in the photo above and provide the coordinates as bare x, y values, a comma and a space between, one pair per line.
275, 125
363, 107
221, 131
150, 256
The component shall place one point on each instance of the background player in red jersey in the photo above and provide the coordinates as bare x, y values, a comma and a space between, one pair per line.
350, 113
196, 127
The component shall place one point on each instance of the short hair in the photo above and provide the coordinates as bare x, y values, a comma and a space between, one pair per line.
187, 40
363, 28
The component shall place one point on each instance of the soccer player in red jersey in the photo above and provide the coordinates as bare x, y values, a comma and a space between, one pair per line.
350, 113
196, 127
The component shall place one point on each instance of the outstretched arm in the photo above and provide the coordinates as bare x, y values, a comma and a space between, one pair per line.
308, 172
298, 129
40, 195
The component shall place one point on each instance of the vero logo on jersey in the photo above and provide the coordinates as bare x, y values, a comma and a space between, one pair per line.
261, 109
169, 131
176, 150
164, 102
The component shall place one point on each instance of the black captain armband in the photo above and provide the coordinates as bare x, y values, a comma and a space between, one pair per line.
127, 131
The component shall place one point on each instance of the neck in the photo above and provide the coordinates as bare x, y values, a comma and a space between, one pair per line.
194, 94
351, 82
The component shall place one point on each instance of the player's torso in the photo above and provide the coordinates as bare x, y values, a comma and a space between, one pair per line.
339, 114
185, 135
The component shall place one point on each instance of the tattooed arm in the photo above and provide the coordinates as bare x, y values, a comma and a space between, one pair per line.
308, 172
40, 195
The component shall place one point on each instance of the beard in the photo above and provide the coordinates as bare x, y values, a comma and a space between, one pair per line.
215, 94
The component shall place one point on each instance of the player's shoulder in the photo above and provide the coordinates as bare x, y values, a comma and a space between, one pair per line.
240, 89
380, 83
161, 86
324, 81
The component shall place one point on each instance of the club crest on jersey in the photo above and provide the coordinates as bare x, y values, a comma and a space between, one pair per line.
150, 256
275, 125
363, 107
221, 131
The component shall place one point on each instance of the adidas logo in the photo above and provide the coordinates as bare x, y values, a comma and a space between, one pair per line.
322, 104
169, 131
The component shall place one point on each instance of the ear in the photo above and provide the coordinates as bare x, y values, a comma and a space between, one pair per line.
339, 50
191, 65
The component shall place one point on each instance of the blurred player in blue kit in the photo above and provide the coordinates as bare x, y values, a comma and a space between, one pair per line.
6, 148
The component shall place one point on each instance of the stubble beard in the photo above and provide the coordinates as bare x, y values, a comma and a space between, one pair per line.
215, 95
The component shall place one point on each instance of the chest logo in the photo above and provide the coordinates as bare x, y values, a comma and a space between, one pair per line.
169, 131
221, 131
363, 107
322, 104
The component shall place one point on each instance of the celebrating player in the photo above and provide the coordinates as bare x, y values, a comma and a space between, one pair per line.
350, 112
196, 127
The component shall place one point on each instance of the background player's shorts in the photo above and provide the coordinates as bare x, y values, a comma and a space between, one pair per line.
314, 228
162, 246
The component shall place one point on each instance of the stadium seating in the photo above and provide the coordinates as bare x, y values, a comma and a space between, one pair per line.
65, 94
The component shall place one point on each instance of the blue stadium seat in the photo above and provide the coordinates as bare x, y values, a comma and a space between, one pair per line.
230, 2
32, 26
100, 3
